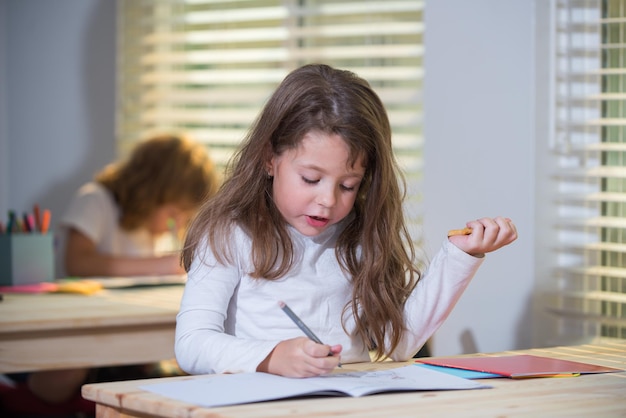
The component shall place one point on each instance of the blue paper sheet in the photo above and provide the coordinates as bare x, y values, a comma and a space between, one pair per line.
465, 374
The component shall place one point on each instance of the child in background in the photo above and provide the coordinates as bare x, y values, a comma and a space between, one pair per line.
121, 225
128, 220
311, 215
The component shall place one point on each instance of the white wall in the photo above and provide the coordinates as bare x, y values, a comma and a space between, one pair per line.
58, 90
57, 128
479, 159
4, 145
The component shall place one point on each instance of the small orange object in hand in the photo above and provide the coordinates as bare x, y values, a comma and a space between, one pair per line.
464, 231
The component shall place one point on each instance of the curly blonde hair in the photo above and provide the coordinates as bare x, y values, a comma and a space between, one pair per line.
161, 170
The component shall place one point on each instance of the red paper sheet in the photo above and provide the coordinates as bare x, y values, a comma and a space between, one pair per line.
522, 365
43, 287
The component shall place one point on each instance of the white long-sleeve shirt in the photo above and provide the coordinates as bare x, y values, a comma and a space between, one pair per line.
229, 322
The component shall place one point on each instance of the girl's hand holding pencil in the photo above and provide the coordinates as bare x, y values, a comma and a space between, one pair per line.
484, 235
303, 356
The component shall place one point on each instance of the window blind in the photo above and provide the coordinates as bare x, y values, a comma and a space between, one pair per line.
590, 141
208, 66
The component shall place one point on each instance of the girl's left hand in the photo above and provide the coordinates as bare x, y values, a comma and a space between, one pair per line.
488, 234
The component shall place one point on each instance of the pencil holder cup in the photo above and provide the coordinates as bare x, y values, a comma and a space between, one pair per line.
26, 259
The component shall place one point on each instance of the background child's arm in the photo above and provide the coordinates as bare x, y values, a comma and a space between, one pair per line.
83, 259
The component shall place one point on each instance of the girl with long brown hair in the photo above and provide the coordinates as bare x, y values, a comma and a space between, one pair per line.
310, 215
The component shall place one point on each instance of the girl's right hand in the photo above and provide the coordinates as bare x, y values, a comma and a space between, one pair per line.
301, 357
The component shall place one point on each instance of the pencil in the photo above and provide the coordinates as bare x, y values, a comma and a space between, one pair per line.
307, 331
37, 215
299, 322
171, 225
45, 221
464, 231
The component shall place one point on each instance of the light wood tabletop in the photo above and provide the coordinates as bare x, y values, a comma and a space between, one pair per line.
592, 395
111, 327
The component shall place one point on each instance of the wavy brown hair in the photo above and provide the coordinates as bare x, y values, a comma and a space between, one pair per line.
375, 248
161, 170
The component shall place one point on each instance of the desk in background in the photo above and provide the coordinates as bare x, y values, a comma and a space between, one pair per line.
112, 327
595, 395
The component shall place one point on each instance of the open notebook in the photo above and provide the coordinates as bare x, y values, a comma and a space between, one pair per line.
232, 389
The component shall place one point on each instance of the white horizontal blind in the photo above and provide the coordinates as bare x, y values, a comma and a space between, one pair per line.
590, 138
208, 66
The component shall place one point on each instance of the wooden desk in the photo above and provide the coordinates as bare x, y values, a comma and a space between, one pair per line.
600, 395
112, 327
